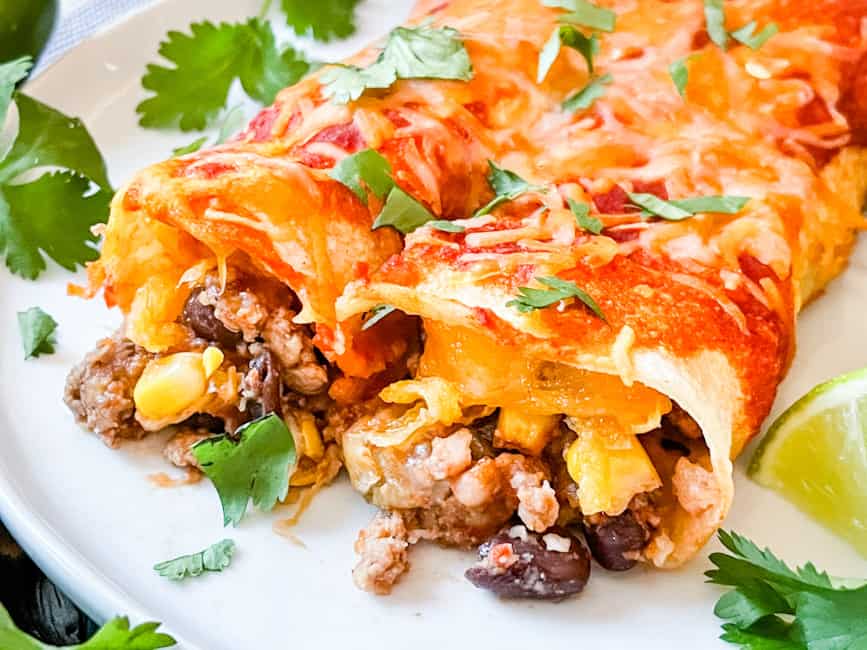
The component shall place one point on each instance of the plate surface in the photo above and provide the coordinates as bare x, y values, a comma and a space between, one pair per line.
95, 522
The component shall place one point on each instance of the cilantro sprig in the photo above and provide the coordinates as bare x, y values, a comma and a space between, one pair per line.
368, 171
507, 186
37, 332
53, 184
530, 299
680, 209
214, 558
679, 72
570, 36
376, 314
205, 62
324, 20
582, 216
257, 467
421, 52
772, 606
115, 635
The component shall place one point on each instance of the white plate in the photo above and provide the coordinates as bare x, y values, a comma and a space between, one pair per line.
96, 524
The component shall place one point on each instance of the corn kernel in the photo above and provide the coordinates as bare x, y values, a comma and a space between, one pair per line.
608, 475
212, 358
313, 447
170, 385
524, 431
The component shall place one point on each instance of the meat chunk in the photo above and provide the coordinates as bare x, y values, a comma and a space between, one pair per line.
695, 488
238, 308
99, 389
383, 549
450, 455
538, 507
178, 449
291, 343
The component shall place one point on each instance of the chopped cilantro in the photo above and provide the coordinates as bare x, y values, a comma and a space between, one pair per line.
323, 19
558, 290
206, 62
585, 97
679, 209
258, 466
585, 13
445, 226
715, 22
214, 558
582, 216
410, 53
402, 212
114, 635
37, 332
679, 72
748, 37
375, 315
231, 124
569, 36
507, 186
193, 147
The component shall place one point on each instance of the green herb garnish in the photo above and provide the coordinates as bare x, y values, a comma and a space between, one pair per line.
10, 74
680, 73
214, 558
325, 20
507, 186
48, 211
773, 607
375, 315
445, 226
256, 467
582, 216
748, 37
532, 299
569, 36
114, 635
369, 171
715, 22
37, 332
679, 209
410, 53
585, 13
585, 97
205, 63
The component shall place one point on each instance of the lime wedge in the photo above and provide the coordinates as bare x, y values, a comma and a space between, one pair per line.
815, 455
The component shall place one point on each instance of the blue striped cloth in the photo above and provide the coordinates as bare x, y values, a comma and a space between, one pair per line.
84, 21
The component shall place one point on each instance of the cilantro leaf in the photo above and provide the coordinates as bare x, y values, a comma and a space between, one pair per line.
10, 74
52, 214
582, 216
569, 36
214, 558
532, 299
193, 147
445, 226
48, 138
410, 53
37, 332
679, 72
376, 314
715, 22
585, 13
363, 171
402, 212
232, 122
585, 97
765, 588
679, 209
507, 186
748, 37
114, 635
322, 19
205, 63
258, 466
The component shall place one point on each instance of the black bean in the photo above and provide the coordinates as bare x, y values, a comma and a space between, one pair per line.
266, 382
206, 325
533, 571
610, 540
